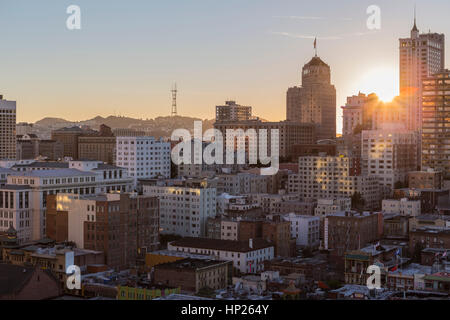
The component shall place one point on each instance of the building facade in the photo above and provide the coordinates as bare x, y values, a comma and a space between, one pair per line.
421, 56
7, 129
144, 157
436, 123
315, 100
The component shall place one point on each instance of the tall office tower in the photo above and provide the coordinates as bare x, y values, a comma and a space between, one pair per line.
315, 100
421, 56
7, 129
233, 112
144, 157
436, 123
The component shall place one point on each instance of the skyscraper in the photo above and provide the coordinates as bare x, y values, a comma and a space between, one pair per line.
315, 100
421, 56
436, 123
7, 129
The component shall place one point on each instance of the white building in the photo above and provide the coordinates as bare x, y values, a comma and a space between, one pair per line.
243, 183
143, 156
7, 129
247, 256
389, 154
328, 206
405, 207
93, 178
184, 209
15, 211
305, 229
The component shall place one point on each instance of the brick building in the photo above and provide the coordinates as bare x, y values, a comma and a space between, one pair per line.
100, 146
192, 275
345, 231
429, 237
123, 226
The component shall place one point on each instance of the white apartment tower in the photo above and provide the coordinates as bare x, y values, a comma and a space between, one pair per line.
421, 56
143, 156
184, 209
7, 129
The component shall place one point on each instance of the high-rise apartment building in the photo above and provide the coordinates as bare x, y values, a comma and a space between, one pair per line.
436, 123
233, 112
184, 207
421, 56
389, 154
7, 129
143, 156
315, 100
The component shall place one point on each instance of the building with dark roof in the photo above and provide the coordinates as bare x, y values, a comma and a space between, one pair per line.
27, 283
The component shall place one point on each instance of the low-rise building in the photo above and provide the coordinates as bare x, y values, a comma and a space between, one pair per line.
192, 275
404, 207
247, 256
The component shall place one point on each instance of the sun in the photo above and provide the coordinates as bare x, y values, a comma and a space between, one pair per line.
383, 81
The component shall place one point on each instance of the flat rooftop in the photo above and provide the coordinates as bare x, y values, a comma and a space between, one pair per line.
223, 245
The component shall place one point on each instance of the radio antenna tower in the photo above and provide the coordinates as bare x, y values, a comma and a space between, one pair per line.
174, 100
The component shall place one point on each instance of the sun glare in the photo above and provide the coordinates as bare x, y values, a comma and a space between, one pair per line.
382, 81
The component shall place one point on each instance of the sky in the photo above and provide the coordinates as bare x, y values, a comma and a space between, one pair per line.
128, 54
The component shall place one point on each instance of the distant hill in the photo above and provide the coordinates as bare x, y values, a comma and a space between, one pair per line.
158, 127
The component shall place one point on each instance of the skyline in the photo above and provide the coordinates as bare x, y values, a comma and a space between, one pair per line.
134, 79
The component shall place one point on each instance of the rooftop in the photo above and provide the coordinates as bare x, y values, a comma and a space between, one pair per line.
52, 173
190, 264
224, 245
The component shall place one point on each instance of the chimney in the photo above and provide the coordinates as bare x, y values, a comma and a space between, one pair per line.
250, 243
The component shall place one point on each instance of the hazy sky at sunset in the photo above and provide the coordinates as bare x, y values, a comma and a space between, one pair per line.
128, 53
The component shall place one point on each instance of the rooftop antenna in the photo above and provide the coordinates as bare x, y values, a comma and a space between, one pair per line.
174, 99
315, 45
